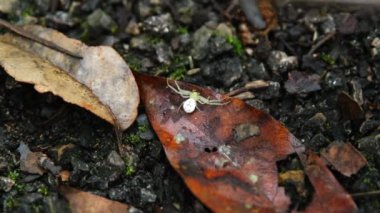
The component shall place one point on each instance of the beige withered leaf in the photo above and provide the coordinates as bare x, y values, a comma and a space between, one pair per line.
101, 81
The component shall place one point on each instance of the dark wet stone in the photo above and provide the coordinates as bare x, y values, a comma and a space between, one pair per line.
32, 197
79, 165
369, 125
224, 71
161, 24
328, 25
370, 144
334, 80
312, 63
296, 31
90, 5
117, 194
185, 10
147, 196
270, 92
144, 8
218, 45
6, 184
257, 70
279, 61
317, 121
319, 140
114, 159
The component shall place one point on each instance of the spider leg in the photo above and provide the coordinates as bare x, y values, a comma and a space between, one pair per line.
172, 88
180, 106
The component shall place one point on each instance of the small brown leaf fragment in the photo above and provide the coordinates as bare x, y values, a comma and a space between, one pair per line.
29, 160
227, 153
101, 81
329, 195
344, 157
85, 202
302, 83
351, 110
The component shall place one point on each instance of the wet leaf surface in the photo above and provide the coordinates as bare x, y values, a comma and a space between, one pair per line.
329, 194
101, 81
344, 157
81, 201
226, 154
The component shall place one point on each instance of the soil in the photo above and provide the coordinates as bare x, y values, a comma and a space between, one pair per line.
323, 94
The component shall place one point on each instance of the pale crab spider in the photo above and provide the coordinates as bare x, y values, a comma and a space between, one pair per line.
193, 97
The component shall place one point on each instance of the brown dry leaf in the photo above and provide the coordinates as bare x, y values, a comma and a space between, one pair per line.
29, 160
226, 154
329, 195
101, 81
85, 202
344, 157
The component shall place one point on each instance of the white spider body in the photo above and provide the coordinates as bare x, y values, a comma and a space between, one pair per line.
190, 104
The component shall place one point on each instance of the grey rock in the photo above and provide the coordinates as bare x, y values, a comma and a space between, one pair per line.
61, 18
218, 45
185, 9
147, 196
9, 6
328, 25
144, 9
225, 71
161, 24
114, 159
142, 42
257, 70
368, 126
117, 194
6, 184
79, 165
201, 43
279, 61
100, 19
163, 53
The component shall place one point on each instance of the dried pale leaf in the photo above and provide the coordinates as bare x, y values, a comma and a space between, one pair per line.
86, 202
101, 77
29, 160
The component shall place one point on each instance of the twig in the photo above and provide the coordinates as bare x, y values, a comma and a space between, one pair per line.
251, 85
321, 42
21, 32
365, 194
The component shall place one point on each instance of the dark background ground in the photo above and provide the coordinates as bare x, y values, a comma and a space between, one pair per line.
157, 37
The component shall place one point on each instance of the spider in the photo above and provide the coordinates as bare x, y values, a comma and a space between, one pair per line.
193, 97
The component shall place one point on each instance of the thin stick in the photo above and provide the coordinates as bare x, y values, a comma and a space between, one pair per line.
21, 32
320, 43
258, 84
365, 194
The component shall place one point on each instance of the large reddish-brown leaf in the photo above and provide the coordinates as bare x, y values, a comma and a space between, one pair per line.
226, 154
85, 202
329, 195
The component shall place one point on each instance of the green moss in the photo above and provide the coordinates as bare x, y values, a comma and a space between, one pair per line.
43, 190
327, 58
182, 30
178, 73
134, 139
10, 203
129, 170
14, 175
142, 128
133, 62
236, 44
